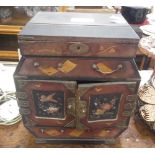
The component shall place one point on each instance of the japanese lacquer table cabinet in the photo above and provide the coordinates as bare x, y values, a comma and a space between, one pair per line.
77, 79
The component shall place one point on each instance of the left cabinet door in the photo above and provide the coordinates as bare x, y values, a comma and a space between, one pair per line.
48, 103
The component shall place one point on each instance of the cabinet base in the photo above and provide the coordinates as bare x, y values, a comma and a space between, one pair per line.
75, 141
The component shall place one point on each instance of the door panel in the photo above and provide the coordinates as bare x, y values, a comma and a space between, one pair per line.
104, 107
105, 104
50, 103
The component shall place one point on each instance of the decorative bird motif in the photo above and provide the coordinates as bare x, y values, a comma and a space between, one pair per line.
52, 110
104, 107
48, 98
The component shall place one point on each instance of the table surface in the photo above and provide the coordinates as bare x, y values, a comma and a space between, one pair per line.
137, 134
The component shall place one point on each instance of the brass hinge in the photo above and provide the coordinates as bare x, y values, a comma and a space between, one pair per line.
21, 95
24, 111
22, 103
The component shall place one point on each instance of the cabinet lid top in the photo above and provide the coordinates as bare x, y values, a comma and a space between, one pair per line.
81, 25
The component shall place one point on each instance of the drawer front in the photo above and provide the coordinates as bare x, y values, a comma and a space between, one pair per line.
42, 48
48, 103
78, 69
105, 104
56, 135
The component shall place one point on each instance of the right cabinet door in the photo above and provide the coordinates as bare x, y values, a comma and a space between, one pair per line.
104, 105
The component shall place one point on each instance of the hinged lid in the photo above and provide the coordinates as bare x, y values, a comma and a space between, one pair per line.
50, 25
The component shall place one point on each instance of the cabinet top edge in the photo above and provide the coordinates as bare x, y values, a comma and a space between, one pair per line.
85, 25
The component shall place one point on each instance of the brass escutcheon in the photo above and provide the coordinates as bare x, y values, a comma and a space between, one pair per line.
79, 48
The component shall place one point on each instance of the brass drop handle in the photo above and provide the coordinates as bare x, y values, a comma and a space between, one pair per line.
42, 131
36, 64
96, 68
60, 65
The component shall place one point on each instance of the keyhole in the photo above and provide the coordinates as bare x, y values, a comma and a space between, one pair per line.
78, 47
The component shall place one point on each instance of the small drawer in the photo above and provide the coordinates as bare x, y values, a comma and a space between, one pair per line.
77, 48
58, 135
78, 69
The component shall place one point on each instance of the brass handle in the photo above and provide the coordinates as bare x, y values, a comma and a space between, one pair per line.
60, 65
96, 68
49, 70
36, 64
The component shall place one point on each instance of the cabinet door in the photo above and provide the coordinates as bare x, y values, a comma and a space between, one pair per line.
105, 104
49, 103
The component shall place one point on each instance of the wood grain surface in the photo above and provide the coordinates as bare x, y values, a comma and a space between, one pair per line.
136, 136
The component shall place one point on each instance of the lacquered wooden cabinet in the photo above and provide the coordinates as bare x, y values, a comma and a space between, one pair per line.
77, 80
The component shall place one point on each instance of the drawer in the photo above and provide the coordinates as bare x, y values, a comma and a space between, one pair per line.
73, 135
77, 69
85, 49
